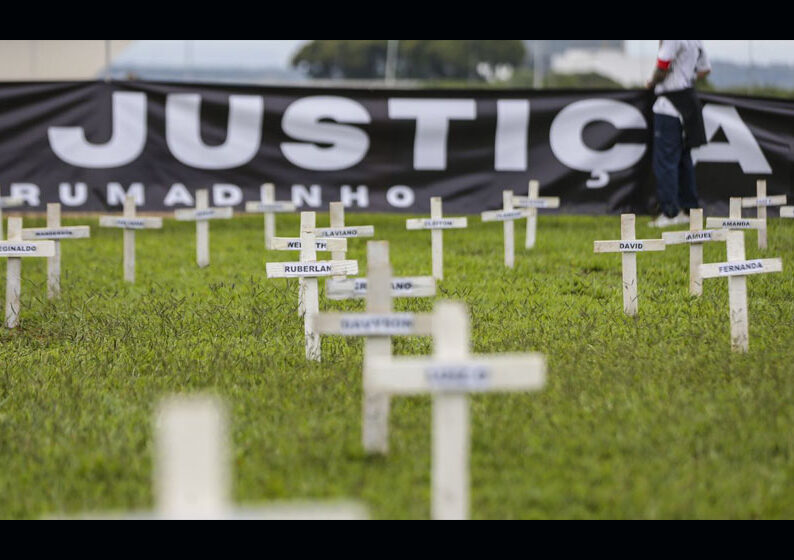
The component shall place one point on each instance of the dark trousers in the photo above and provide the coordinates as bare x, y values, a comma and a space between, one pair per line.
672, 166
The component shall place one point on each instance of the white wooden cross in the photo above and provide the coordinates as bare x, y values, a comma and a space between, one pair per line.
378, 324
56, 232
737, 269
192, 471
695, 237
449, 375
437, 223
14, 248
294, 244
533, 201
130, 222
629, 246
269, 206
507, 215
760, 201
8, 202
201, 214
309, 268
787, 212
735, 220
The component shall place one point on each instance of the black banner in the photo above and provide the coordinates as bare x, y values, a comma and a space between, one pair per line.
86, 144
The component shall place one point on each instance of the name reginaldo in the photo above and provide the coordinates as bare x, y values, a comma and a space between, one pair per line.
7, 249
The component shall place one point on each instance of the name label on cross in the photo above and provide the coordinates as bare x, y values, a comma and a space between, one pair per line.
631, 246
367, 324
458, 377
307, 269
398, 285
129, 223
16, 249
356, 231
736, 224
269, 206
509, 215
51, 233
740, 268
695, 236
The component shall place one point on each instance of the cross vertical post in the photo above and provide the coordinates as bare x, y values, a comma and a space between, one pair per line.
628, 233
54, 262
202, 230
437, 239
310, 293
129, 240
509, 227
191, 462
451, 429
15, 249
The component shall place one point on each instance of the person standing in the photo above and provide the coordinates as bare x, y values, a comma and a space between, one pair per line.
677, 127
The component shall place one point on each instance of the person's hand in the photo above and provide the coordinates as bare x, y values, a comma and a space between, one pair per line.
649, 84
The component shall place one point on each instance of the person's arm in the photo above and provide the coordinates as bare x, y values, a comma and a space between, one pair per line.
659, 74
703, 73
667, 50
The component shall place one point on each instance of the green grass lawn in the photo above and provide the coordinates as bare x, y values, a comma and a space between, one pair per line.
646, 417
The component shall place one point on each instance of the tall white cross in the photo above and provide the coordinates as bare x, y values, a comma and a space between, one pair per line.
437, 224
695, 237
534, 202
57, 233
130, 222
735, 220
270, 207
201, 214
378, 324
192, 471
737, 269
309, 268
629, 246
8, 202
14, 248
449, 376
761, 201
507, 215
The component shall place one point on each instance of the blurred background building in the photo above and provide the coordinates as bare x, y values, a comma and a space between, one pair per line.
741, 65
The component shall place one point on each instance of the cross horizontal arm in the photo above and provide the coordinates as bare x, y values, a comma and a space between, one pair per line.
294, 244
436, 223
787, 212
741, 268
72, 232
504, 215
347, 231
310, 269
130, 223
480, 374
697, 236
628, 246
260, 207
193, 214
540, 202
374, 324
752, 201
10, 202
27, 248
409, 286
735, 223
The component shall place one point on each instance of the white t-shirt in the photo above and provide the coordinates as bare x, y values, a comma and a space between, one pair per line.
684, 59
